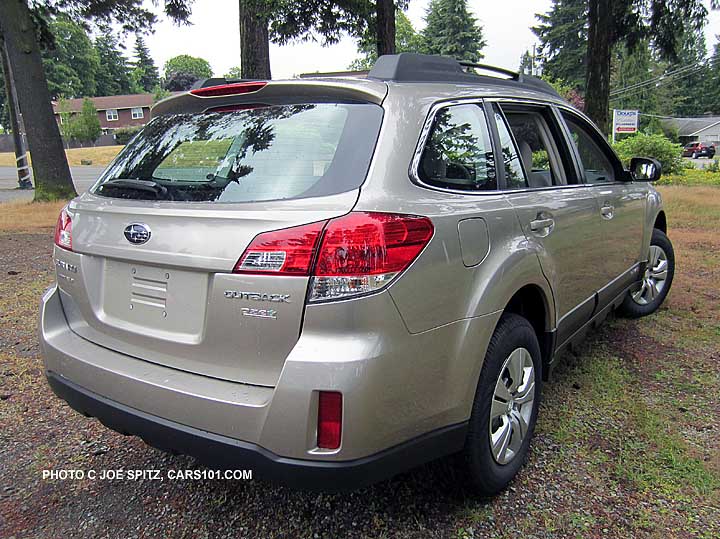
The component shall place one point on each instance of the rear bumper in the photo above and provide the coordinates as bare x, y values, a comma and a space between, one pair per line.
228, 453
401, 407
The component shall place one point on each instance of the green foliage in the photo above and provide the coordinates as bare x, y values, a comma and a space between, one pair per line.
83, 126
452, 31
234, 72
651, 145
159, 93
563, 41
113, 74
406, 40
71, 65
65, 118
185, 63
145, 73
181, 72
124, 134
695, 176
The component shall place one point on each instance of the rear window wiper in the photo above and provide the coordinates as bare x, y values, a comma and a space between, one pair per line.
150, 186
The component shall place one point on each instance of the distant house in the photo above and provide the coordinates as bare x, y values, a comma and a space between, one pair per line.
115, 111
701, 129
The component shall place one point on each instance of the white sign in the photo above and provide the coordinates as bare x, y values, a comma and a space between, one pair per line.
625, 121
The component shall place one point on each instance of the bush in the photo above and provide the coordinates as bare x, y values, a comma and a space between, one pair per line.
692, 177
124, 134
656, 146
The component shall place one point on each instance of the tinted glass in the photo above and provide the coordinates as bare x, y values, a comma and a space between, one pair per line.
534, 142
267, 153
514, 174
458, 154
596, 164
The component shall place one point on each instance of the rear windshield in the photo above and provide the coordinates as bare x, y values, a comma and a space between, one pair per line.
267, 153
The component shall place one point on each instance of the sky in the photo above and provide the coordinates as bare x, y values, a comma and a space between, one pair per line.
213, 35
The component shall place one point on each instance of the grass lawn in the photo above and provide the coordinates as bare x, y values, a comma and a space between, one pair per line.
99, 155
627, 444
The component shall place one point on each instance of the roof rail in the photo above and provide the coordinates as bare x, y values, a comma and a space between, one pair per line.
411, 67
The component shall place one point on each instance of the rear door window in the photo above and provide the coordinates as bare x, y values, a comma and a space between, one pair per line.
458, 153
248, 155
545, 160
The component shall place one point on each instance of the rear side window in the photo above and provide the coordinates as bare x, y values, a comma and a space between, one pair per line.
249, 155
458, 154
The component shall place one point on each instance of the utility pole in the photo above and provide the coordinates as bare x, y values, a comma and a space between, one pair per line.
23, 170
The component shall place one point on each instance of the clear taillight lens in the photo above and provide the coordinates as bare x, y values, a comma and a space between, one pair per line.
290, 251
63, 231
362, 252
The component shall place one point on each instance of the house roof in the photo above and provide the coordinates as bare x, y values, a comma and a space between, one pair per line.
110, 102
690, 127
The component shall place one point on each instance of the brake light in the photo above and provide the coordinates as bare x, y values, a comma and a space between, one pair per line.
229, 89
363, 252
329, 429
63, 230
355, 254
290, 251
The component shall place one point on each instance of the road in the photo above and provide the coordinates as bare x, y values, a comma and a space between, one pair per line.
83, 177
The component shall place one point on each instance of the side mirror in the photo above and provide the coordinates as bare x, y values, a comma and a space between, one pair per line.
645, 169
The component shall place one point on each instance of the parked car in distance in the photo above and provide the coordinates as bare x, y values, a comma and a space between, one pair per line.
333, 280
699, 149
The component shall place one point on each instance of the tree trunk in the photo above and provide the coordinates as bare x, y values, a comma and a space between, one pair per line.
50, 167
21, 163
600, 43
385, 19
254, 42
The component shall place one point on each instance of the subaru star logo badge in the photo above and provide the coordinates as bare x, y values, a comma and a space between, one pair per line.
137, 233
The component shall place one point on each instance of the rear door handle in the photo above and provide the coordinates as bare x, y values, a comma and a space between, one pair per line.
607, 211
542, 225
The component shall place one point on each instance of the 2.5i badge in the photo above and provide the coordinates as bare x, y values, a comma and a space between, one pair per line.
259, 313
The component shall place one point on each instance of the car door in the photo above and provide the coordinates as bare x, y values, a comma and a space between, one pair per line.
621, 206
557, 213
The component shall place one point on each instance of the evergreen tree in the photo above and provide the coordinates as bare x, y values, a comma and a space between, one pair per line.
452, 31
563, 41
113, 75
406, 40
665, 24
71, 62
145, 73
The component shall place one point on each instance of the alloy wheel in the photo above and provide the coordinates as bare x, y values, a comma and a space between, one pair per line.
655, 276
512, 406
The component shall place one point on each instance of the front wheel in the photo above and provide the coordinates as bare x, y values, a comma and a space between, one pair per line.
647, 296
505, 407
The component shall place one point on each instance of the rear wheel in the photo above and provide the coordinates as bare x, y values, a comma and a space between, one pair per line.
648, 295
506, 406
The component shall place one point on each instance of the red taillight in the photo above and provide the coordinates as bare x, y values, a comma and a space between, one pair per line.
329, 430
371, 244
359, 253
229, 89
63, 231
290, 251
362, 252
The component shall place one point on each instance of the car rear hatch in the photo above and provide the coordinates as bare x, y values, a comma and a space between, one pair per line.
161, 233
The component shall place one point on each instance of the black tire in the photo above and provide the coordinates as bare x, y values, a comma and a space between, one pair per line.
630, 308
486, 475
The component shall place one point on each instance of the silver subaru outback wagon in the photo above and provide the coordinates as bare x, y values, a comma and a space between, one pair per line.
334, 280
